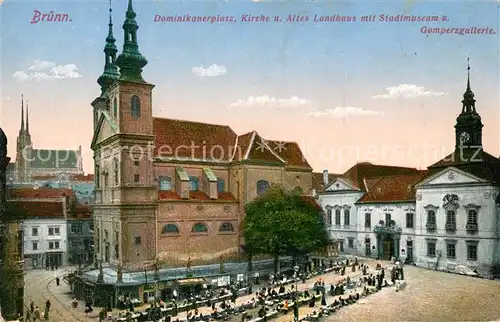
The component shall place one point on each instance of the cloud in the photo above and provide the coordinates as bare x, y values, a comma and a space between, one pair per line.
344, 112
268, 101
407, 91
41, 70
211, 71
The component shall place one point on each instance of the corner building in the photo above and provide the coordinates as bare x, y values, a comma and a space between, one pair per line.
173, 191
439, 218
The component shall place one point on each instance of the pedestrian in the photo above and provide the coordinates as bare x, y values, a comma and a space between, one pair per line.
57, 281
32, 306
37, 314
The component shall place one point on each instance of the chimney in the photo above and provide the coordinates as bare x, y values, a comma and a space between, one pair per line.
325, 177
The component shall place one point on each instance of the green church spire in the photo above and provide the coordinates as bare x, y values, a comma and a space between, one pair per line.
130, 60
110, 73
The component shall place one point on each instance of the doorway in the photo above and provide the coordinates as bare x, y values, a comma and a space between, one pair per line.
388, 248
409, 251
368, 248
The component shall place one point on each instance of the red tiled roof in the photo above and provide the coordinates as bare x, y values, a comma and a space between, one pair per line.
44, 177
83, 177
392, 188
212, 141
33, 209
290, 152
312, 201
360, 171
260, 151
79, 210
242, 146
317, 180
40, 193
194, 195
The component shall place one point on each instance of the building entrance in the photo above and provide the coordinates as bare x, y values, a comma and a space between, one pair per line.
388, 248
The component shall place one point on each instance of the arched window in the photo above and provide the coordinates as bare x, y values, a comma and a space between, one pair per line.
329, 216
115, 107
193, 183
337, 217
226, 227
135, 107
116, 167
199, 228
431, 217
221, 185
472, 217
170, 229
165, 183
451, 220
262, 186
347, 217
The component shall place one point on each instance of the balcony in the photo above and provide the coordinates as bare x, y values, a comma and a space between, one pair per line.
471, 228
450, 227
430, 226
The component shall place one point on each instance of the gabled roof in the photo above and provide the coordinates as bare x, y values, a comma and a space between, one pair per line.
259, 150
34, 209
317, 180
104, 118
392, 188
360, 171
476, 162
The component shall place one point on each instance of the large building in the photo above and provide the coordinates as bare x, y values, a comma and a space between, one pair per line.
445, 216
31, 162
172, 190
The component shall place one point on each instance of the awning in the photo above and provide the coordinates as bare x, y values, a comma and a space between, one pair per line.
191, 281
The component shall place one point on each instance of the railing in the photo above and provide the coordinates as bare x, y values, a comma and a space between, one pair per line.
430, 226
471, 228
450, 227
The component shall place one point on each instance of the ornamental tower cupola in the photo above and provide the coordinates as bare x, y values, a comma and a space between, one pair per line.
111, 72
468, 128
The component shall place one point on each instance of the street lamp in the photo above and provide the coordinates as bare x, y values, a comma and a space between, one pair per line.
296, 269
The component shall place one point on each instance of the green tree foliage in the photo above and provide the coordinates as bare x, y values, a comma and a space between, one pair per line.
282, 222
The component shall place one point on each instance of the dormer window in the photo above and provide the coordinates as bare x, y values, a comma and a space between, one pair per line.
221, 185
165, 183
193, 183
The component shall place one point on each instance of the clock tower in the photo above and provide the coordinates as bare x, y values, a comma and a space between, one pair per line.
469, 128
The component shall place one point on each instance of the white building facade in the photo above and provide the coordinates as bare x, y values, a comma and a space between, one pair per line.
445, 216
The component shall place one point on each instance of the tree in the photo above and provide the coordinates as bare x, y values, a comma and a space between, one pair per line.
282, 222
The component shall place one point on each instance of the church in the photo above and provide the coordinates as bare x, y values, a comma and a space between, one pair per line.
171, 193
31, 163
439, 218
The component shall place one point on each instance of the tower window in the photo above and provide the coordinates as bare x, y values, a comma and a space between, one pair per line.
129, 36
136, 178
135, 107
115, 105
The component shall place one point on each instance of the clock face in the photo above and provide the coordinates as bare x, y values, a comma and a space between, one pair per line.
464, 137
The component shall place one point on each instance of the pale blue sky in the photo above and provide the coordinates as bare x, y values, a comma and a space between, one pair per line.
328, 64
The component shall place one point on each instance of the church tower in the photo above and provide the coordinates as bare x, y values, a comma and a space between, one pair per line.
469, 128
24, 147
125, 210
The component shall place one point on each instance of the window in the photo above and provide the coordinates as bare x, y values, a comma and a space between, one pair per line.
387, 220
170, 229
135, 107
105, 179
450, 250
221, 185
53, 231
74, 244
97, 177
329, 216
91, 227
262, 186
451, 220
193, 183
337, 217
116, 174
51, 245
136, 163
368, 220
472, 217
138, 240
409, 220
136, 178
431, 220
76, 228
199, 228
165, 183
56, 245
34, 231
431, 248
226, 227
341, 246
351, 242
347, 217
34, 245
471, 251
115, 106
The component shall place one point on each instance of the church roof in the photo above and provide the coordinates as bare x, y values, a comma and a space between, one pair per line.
54, 159
476, 162
360, 171
392, 188
213, 142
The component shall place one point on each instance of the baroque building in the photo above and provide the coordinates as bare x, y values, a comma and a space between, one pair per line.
31, 162
172, 191
445, 216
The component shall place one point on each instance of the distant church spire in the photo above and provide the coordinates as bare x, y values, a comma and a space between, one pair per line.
130, 60
110, 73
22, 113
469, 105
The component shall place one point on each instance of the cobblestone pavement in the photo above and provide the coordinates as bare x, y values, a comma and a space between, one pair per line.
41, 286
